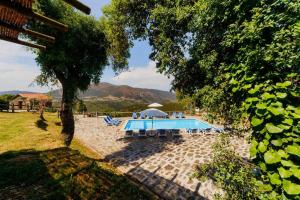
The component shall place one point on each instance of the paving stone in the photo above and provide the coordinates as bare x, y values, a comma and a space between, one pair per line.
164, 165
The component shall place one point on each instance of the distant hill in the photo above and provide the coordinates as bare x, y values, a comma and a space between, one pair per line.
109, 92
15, 92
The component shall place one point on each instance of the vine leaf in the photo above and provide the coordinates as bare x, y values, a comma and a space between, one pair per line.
276, 111
281, 95
273, 129
272, 157
291, 188
293, 149
284, 173
274, 178
256, 121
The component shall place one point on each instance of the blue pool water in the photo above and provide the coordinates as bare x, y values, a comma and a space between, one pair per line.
166, 124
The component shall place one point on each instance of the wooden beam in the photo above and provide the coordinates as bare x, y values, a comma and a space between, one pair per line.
17, 41
29, 32
50, 21
79, 6
29, 13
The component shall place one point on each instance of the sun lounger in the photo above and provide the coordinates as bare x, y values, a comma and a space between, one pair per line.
142, 116
161, 133
128, 133
142, 133
107, 122
181, 115
113, 119
192, 131
175, 132
218, 130
174, 115
134, 116
152, 133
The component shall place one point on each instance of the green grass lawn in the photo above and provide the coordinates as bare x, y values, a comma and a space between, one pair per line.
34, 164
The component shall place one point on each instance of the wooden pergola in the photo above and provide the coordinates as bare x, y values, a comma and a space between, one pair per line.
14, 15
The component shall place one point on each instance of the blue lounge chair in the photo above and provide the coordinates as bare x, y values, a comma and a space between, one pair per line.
113, 119
142, 116
161, 133
112, 122
129, 133
174, 115
107, 122
219, 130
142, 133
175, 132
192, 131
134, 115
181, 115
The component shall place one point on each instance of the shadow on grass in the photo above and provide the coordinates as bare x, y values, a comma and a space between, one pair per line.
42, 124
61, 173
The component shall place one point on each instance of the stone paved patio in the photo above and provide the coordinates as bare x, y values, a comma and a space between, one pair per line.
163, 165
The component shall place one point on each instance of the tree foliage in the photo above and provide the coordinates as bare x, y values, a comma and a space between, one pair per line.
244, 52
76, 59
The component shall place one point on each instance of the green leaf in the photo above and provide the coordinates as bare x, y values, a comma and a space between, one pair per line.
233, 81
281, 95
276, 110
274, 179
256, 121
261, 106
291, 188
262, 187
235, 89
253, 91
296, 172
267, 96
287, 163
293, 149
285, 127
262, 147
288, 121
296, 116
247, 86
277, 142
253, 150
295, 94
272, 157
282, 153
284, 84
284, 173
273, 129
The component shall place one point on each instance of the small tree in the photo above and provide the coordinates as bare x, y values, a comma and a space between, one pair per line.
75, 60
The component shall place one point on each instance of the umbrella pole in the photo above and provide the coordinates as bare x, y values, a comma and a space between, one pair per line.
152, 122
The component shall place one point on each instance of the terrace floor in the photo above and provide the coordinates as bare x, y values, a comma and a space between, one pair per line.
164, 165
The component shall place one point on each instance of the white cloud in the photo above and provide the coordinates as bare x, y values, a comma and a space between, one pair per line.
17, 68
143, 77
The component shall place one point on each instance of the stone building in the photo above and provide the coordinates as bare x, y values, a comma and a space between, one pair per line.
30, 101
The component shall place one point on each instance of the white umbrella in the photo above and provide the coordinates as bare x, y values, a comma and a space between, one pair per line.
154, 105
152, 112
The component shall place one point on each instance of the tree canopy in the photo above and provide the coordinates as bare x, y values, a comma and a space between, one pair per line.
244, 52
76, 59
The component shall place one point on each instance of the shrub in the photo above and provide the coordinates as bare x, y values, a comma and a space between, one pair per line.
229, 171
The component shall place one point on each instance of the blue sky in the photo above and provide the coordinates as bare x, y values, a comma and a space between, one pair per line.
18, 68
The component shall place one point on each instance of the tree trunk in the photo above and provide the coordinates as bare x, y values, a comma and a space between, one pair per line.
66, 114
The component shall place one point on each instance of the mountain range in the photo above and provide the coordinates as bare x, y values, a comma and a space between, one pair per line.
109, 92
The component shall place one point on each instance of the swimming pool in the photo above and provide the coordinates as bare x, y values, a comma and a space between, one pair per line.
166, 124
